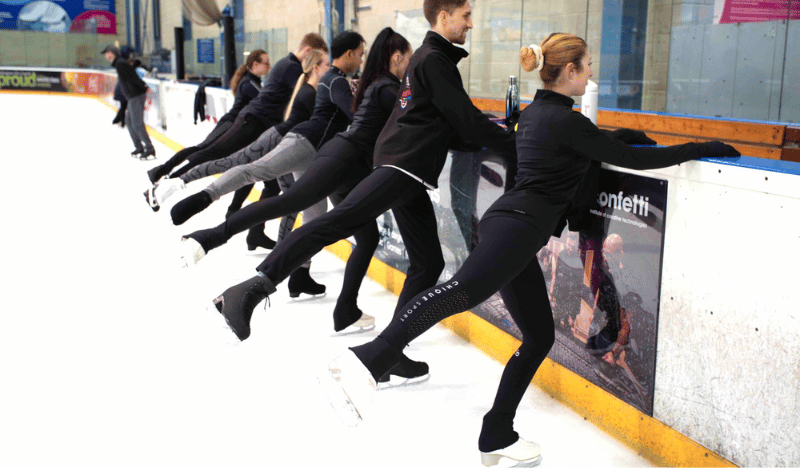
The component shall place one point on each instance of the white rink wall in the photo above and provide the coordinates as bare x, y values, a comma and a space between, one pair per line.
727, 372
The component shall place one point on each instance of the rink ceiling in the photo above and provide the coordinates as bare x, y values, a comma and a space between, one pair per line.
705, 389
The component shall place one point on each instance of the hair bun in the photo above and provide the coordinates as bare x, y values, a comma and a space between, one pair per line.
527, 58
531, 58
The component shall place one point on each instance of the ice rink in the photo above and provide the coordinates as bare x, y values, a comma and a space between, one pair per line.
113, 355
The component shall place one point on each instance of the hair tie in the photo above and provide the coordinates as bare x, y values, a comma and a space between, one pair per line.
537, 50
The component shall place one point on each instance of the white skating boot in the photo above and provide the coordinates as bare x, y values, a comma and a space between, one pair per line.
526, 453
167, 188
192, 252
349, 387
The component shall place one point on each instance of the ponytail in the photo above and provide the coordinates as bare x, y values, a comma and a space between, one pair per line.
380, 54
313, 58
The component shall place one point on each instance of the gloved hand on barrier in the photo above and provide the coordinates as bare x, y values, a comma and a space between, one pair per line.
718, 149
632, 137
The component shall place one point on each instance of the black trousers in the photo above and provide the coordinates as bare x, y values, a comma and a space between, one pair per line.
243, 132
181, 155
384, 189
504, 260
338, 168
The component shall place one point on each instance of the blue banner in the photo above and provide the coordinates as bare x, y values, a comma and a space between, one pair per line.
60, 16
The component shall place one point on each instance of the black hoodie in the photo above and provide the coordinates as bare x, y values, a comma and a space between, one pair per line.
130, 83
434, 113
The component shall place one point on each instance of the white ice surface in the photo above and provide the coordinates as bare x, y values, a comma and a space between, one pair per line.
111, 355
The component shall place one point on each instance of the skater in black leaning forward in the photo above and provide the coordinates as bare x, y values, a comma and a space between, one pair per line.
340, 165
432, 114
135, 91
246, 84
556, 149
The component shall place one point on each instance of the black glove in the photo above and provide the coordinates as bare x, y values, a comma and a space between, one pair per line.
632, 137
718, 149
511, 121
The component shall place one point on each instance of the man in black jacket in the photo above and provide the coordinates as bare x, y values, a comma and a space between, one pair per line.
135, 91
432, 114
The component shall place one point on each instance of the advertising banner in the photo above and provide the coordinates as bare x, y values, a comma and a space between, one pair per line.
94, 83
87, 16
604, 282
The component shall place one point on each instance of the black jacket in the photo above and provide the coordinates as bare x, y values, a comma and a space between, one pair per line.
302, 108
200, 99
333, 109
559, 152
433, 114
269, 105
130, 83
247, 89
372, 114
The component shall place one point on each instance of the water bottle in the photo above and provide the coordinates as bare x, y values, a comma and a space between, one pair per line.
589, 102
512, 96
512, 103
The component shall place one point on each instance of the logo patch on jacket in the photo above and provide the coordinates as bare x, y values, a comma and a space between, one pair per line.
406, 95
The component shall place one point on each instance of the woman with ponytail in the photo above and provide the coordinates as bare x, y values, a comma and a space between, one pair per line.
556, 147
340, 165
245, 84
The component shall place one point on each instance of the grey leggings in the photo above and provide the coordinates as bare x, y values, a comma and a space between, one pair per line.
257, 149
134, 119
293, 155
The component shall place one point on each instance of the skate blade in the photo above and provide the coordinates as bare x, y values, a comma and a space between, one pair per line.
396, 381
296, 296
354, 330
494, 460
338, 398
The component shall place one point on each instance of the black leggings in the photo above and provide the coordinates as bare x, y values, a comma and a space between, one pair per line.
338, 168
179, 157
243, 132
384, 189
504, 260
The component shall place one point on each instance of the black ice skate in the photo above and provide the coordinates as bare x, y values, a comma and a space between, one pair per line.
405, 373
237, 303
148, 154
150, 196
190, 206
136, 153
156, 173
256, 238
300, 282
348, 319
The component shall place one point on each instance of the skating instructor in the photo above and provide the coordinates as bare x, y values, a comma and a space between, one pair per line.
432, 114
555, 148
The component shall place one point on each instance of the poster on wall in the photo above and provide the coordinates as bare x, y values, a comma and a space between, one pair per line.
752, 11
604, 282
82, 16
604, 287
